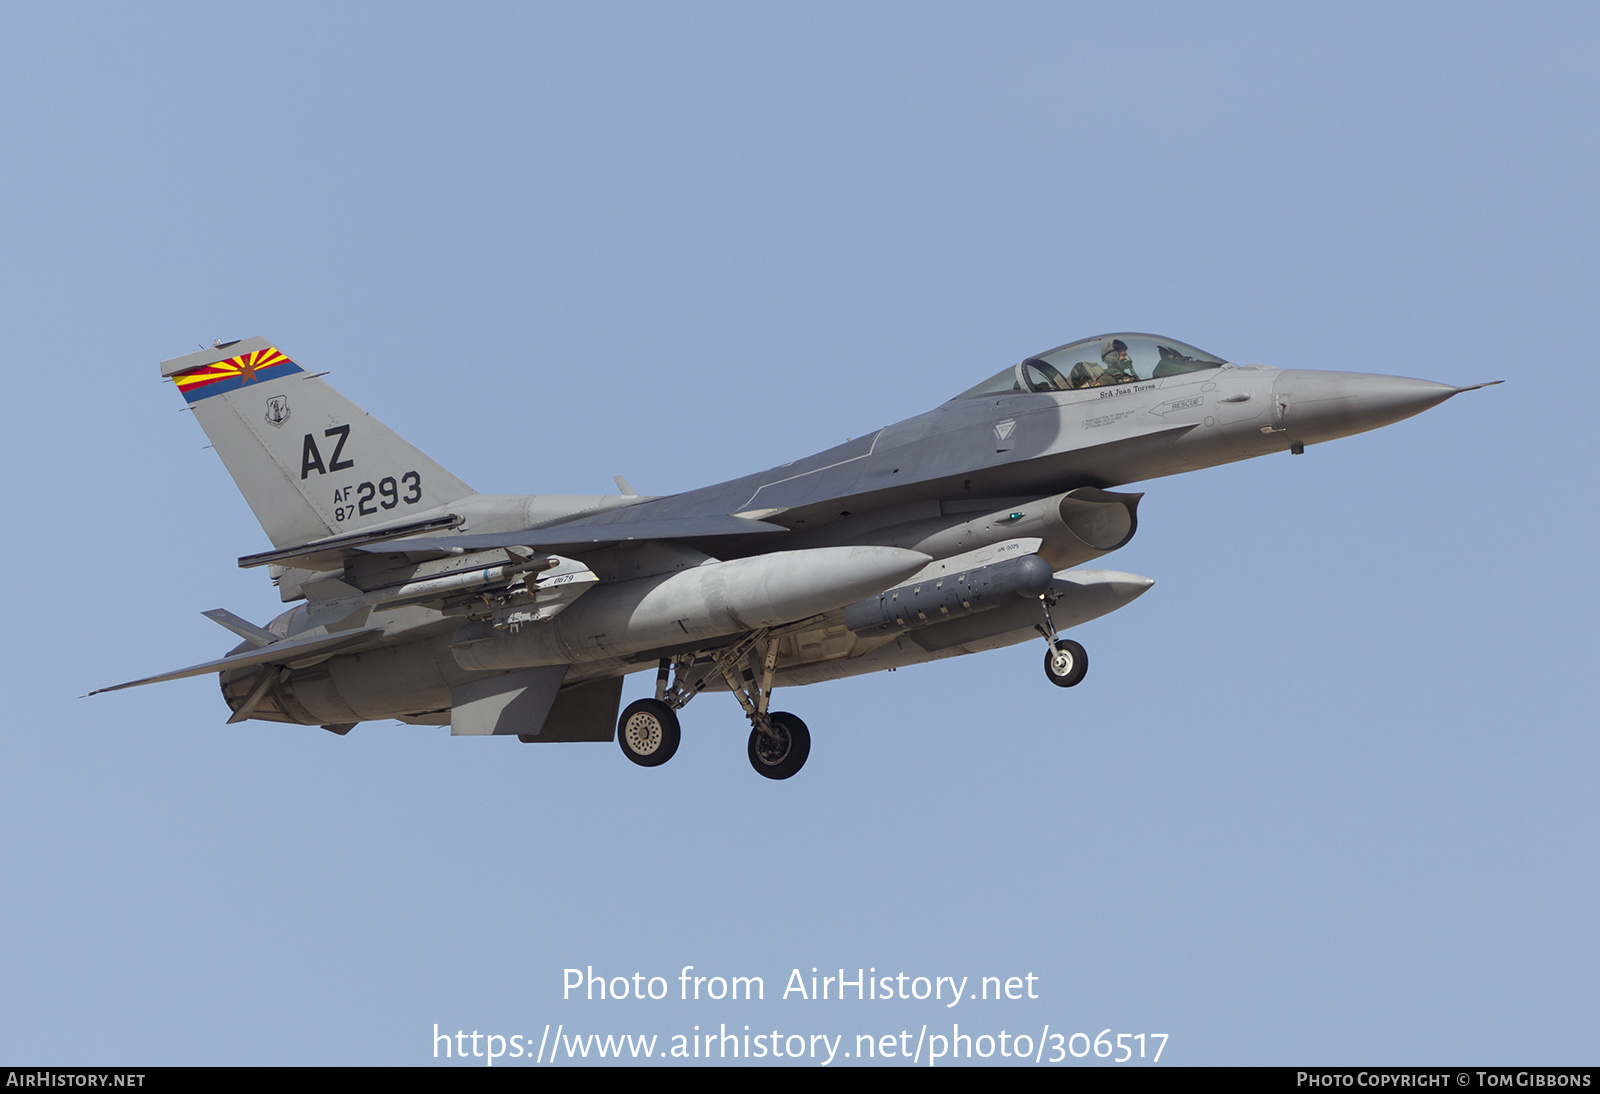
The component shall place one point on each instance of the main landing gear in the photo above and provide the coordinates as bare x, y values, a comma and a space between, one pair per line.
781, 749
648, 732
779, 741
1066, 662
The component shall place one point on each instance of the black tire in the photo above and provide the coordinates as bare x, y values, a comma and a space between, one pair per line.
786, 756
648, 732
1067, 664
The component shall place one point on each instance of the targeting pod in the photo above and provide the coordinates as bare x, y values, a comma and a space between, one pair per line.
947, 596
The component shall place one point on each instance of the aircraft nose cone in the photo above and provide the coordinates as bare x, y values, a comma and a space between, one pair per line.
1319, 406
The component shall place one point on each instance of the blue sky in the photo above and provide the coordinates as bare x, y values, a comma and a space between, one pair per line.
1327, 793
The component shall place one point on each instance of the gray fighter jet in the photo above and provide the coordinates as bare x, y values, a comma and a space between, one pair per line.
948, 533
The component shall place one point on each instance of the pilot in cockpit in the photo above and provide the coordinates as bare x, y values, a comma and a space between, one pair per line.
1115, 367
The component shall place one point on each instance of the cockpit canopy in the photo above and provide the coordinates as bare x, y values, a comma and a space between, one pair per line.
1105, 361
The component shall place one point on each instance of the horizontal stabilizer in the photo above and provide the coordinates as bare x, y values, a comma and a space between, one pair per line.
291, 651
330, 550
581, 534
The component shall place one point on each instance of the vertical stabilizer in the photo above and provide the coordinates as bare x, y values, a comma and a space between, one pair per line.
309, 461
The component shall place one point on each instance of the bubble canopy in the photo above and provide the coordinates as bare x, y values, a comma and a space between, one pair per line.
1103, 361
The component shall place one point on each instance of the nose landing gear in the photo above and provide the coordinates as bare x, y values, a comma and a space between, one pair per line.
1066, 662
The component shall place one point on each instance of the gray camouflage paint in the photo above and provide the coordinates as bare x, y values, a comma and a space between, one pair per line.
969, 474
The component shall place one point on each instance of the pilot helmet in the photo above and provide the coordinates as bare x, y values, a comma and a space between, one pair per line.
1114, 350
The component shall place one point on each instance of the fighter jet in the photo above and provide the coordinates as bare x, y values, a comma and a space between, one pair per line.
951, 532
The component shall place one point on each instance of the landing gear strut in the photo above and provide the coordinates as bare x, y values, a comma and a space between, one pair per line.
1065, 662
779, 741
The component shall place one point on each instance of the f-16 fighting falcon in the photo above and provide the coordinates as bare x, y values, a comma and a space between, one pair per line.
952, 532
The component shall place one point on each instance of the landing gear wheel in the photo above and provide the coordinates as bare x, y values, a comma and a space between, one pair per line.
648, 732
1067, 664
784, 753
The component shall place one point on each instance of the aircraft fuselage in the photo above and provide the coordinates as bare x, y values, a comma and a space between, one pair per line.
967, 474
957, 530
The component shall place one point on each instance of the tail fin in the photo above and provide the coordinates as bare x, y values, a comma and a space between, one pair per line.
309, 461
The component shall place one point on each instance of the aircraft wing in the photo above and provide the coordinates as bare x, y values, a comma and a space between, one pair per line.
291, 651
578, 534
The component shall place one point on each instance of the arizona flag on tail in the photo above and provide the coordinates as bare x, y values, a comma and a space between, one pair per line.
234, 373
